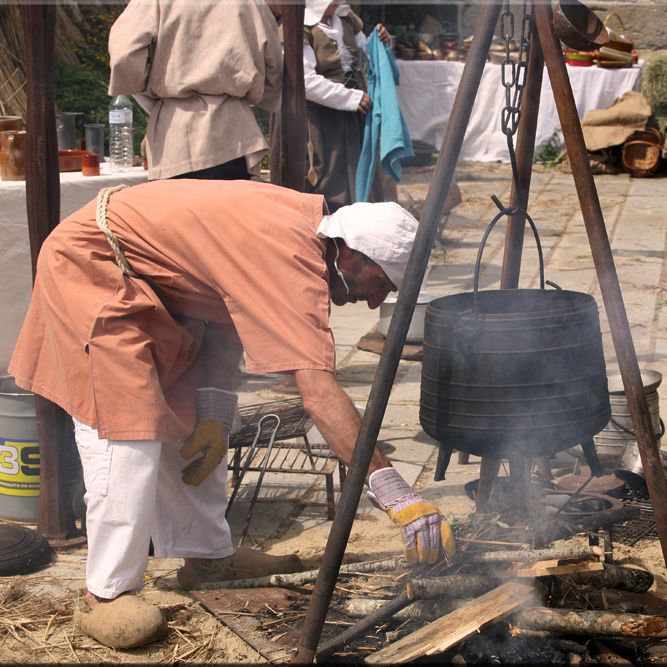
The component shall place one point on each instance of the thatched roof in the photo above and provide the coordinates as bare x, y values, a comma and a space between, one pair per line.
12, 63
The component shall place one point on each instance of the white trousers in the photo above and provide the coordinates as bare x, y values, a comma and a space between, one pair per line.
134, 493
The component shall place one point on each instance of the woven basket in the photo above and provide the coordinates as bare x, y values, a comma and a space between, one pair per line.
641, 152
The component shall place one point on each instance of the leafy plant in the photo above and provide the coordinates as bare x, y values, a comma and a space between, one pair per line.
550, 149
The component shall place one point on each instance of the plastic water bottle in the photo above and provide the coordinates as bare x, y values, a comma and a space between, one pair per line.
121, 148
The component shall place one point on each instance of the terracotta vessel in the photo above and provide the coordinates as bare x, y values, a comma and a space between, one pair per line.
13, 147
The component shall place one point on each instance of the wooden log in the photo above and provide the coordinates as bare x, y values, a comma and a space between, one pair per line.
601, 623
547, 568
615, 600
611, 576
605, 656
560, 553
300, 578
453, 586
421, 610
564, 644
450, 630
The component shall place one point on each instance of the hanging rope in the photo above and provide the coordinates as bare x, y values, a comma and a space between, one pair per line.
101, 219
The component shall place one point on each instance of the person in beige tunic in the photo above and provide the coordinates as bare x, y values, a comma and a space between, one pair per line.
115, 339
197, 68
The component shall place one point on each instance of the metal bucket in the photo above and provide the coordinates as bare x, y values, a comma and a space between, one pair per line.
517, 372
19, 456
618, 436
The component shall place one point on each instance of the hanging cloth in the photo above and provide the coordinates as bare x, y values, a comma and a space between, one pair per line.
384, 129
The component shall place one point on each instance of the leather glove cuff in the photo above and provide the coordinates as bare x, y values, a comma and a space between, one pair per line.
387, 487
215, 404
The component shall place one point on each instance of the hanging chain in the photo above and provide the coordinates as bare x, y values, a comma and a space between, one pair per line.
513, 79
513, 72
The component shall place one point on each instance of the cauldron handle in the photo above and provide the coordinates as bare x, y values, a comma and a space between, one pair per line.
478, 262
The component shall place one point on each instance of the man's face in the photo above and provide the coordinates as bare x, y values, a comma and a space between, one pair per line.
365, 280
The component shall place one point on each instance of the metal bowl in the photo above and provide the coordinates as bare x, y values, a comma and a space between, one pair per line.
650, 380
577, 26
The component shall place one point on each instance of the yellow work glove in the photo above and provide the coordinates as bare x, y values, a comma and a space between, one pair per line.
209, 439
423, 528
216, 409
424, 531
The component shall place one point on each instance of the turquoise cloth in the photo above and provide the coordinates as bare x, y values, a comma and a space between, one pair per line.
384, 129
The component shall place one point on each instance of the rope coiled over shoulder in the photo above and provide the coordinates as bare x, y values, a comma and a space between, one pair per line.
101, 219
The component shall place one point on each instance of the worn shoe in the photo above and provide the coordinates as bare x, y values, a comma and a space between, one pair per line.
244, 564
125, 622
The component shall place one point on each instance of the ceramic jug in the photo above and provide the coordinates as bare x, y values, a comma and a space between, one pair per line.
13, 146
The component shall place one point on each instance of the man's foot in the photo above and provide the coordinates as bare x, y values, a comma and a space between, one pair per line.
244, 564
124, 622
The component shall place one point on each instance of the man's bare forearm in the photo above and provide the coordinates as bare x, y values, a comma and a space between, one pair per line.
334, 415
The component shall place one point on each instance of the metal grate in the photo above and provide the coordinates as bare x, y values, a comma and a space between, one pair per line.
643, 526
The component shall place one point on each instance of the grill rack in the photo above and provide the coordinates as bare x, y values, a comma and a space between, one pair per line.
273, 439
643, 526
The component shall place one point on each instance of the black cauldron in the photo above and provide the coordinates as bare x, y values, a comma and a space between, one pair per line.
517, 372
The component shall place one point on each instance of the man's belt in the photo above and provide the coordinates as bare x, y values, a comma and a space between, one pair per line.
101, 219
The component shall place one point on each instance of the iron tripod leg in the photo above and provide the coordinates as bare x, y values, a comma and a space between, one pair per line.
605, 269
591, 457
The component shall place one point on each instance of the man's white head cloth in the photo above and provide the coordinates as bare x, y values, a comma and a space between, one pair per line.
315, 11
384, 232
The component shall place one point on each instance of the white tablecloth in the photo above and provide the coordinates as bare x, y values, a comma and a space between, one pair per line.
427, 89
15, 267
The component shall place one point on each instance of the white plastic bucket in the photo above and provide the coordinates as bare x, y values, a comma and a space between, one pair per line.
19, 453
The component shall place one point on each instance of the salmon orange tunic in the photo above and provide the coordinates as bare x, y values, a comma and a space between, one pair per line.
118, 353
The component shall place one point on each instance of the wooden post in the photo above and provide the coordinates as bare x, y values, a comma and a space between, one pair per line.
55, 520
293, 119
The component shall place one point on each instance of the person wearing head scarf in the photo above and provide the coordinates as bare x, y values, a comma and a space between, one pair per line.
114, 336
334, 61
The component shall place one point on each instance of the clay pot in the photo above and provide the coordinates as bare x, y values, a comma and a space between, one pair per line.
13, 148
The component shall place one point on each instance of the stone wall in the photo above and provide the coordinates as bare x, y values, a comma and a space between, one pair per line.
645, 21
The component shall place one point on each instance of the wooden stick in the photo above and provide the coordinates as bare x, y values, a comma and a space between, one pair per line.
298, 578
603, 623
427, 610
376, 618
560, 553
446, 632
547, 569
